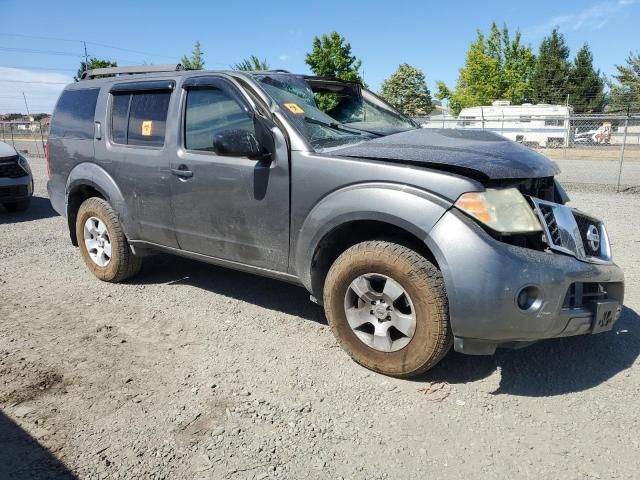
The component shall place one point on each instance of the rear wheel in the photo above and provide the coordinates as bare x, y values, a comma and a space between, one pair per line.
387, 306
102, 242
19, 206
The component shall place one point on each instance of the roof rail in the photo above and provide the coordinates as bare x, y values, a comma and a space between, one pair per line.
97, 72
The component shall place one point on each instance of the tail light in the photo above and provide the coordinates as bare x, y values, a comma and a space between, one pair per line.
47, 162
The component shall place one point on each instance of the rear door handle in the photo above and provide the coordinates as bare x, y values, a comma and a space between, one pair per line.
182, 171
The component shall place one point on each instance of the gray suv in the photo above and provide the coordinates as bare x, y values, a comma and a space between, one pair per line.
413, 239
16, 180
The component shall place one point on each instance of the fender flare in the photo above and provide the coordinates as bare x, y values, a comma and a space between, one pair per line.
411, 209
92, 175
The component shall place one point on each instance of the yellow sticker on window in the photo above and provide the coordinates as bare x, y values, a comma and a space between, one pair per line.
294, 108
147, 128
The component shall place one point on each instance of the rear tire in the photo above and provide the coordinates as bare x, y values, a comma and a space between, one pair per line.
19, 206
416, 347
104, 247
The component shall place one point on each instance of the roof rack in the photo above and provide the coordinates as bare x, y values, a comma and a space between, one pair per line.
98, 72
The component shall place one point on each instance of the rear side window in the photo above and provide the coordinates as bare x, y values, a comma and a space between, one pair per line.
74, 114
139, 118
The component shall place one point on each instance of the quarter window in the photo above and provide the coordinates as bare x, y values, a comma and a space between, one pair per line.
209, 112
140, 118
74, 114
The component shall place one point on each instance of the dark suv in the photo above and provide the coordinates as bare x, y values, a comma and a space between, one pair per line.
16, 180
413, 239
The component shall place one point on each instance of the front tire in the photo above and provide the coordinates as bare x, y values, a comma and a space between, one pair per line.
387, 306
104, 247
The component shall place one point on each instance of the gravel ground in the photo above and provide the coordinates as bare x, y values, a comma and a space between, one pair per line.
192, 371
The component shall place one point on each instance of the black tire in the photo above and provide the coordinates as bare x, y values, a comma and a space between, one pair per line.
123, 264
423, 283
19, 206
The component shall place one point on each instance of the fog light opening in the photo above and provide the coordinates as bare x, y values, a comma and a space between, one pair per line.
529, 299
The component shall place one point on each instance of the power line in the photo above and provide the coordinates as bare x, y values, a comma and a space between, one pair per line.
7, 80
29, 67
46, 52
37, 37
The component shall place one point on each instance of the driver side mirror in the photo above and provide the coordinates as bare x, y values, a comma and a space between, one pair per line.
239, 143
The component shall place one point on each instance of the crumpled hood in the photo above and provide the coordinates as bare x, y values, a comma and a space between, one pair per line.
7, 150
479, 151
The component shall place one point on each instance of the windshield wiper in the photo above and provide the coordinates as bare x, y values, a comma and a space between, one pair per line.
341, 128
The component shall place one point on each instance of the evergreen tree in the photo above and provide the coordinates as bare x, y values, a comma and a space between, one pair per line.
331, 57
406, 89
196, 61
550, 80
586, 85
625, 91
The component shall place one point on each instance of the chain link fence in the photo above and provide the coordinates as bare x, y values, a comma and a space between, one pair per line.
590, 149
28, 138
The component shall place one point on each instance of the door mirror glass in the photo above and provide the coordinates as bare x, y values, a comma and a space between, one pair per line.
237, 143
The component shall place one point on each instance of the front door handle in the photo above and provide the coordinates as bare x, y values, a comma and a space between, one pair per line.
182, 171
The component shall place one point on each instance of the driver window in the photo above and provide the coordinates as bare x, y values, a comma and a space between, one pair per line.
211, 111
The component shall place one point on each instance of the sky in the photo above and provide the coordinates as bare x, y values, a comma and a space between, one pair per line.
433, 36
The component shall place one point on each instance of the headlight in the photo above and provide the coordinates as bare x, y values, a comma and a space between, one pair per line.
503, 210
24, 164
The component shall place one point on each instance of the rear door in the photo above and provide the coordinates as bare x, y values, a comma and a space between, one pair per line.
232, 208
135, 146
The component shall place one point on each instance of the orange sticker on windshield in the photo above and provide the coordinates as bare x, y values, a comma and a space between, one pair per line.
147, 128
294, 108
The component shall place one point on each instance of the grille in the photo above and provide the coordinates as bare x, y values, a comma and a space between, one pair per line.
550, 219
9, 168
580, 294
13, 191
583, 227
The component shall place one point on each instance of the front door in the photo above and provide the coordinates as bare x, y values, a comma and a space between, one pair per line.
232, 208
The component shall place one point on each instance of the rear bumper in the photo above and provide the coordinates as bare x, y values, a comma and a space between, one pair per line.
57, 199
15, 189
483, 278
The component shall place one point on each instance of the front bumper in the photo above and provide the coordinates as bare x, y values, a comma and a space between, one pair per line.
15, 189
484, 276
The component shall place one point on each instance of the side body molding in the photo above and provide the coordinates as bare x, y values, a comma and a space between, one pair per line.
97, 177
409, 208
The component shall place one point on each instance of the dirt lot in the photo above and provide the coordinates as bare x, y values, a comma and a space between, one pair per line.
191, 371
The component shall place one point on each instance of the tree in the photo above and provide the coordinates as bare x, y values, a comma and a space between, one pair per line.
496, 67
550, 80
331, 57
196, 61
586, 85
406, 89
518, 66
625, 91
92, 64
251, 64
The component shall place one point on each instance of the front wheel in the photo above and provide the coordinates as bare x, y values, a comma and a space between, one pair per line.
387, 306
102, 242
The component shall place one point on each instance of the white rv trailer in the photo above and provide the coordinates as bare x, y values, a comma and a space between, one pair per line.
540, 125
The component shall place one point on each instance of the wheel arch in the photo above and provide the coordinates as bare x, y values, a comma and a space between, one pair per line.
401, 214
90, 180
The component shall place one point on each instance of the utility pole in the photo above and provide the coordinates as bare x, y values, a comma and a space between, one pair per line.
29, 114
86, 56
